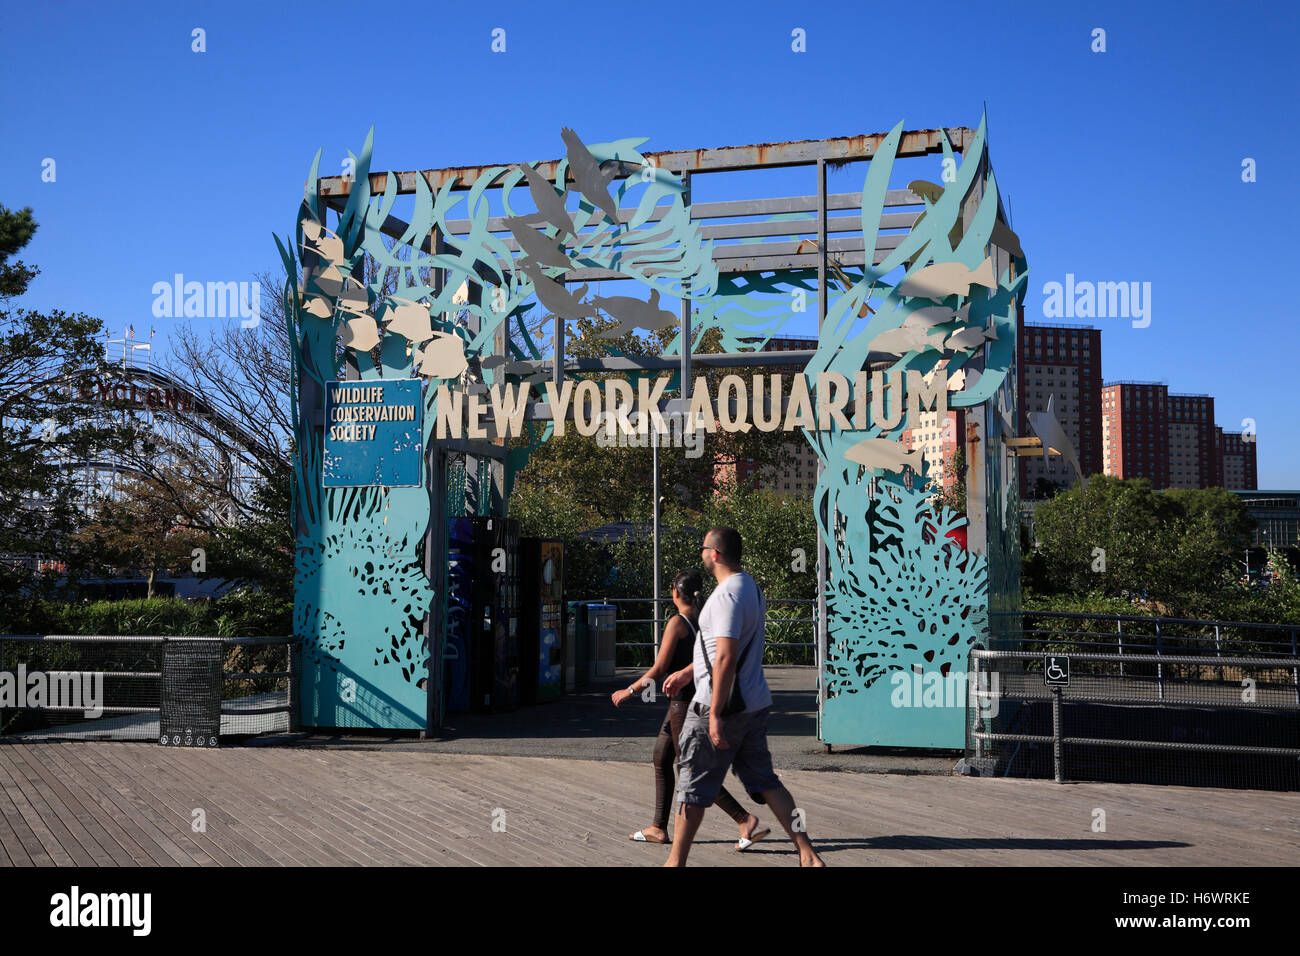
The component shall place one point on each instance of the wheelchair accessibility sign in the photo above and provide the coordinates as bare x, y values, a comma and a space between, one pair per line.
1056, 671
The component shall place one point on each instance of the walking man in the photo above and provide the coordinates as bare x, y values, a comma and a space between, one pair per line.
729, 650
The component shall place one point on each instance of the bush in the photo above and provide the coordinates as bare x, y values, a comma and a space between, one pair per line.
237, 614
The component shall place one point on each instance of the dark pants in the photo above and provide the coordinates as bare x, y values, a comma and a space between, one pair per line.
665, 759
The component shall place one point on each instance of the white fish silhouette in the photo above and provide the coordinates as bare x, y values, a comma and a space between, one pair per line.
361, 334
410, 320
933, 315
904, 339
324, 243
885, 454
943, 279
443, 356
1052, 434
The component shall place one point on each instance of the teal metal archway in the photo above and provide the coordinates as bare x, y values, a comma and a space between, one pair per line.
929, 280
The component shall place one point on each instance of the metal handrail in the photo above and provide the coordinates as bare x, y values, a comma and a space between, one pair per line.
978, 731
288, 641
1141, 617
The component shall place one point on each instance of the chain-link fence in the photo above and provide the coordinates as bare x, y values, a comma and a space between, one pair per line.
1227, 718
102, 687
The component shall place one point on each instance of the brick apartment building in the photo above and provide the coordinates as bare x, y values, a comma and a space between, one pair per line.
1171, 440
1235, 462
1193, 442
1062, 361
1135, 431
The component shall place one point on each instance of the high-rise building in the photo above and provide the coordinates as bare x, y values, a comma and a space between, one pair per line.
1135, 431
1193, 442
1064, 362
1239, 465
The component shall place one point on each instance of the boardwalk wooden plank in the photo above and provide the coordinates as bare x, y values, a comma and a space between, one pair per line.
172, 803
127, 793
119, 804
82, 822
335, 814
50, 851
98, 793
10, 838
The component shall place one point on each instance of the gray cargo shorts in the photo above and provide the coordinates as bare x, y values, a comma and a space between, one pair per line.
702, 767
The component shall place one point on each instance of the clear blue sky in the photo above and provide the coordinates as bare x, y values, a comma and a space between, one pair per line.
1120, 166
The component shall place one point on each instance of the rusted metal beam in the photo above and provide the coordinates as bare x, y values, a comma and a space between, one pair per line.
718, 159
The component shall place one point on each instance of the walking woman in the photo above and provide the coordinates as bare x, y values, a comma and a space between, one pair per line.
676, 651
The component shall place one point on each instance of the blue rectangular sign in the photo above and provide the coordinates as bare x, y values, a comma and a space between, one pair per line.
373, 433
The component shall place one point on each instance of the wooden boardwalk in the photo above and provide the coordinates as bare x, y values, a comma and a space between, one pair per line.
128, 804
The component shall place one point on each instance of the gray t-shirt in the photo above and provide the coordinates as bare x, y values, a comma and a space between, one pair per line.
735, 609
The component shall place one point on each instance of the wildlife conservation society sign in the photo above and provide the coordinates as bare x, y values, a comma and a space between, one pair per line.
372, 433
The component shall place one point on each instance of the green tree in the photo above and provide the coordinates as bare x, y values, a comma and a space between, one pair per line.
138, 532
1121, 536
48, 362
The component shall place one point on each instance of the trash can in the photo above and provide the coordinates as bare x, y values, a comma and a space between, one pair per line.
601, 624
578, 626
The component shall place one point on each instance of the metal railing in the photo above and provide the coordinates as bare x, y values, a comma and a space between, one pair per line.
1160, 636
258, 693
1229, 719
791, 647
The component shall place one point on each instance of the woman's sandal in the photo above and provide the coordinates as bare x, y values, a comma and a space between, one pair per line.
746, 842
640, 837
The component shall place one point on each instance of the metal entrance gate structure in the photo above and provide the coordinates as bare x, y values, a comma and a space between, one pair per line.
946, 276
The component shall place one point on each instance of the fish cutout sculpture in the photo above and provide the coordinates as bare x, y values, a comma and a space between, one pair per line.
931, 192
443, 356
318, 306
933, 315
324, 243
411, 321
329, 281
554, 297
550, 204
942, 279
540, 248
904, 339
964, 339
360, 334
354, 299
592, 181
633, 313
1052, 433
884, 454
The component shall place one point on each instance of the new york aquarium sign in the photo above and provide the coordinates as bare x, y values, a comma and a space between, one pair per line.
847, 405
